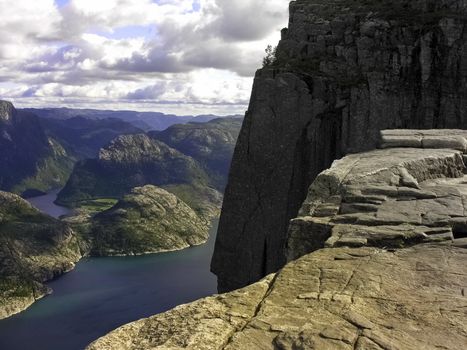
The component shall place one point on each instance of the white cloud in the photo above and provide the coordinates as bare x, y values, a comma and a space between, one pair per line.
155, 53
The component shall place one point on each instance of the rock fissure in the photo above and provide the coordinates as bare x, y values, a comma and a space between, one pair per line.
257, 309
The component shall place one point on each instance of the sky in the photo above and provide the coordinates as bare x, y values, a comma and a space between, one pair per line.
173, 56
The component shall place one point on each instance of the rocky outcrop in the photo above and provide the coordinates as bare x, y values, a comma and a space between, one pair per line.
339, 299
381, 251
7, 111
343, 71
389, 198
147, 220
34, 248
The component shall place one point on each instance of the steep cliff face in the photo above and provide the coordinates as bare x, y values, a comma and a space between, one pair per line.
29, 159
343, 71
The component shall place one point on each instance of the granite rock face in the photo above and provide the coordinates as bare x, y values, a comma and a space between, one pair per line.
343, 71
204, 324
336, 298
387, 198
380, 247
147, 220
34, 248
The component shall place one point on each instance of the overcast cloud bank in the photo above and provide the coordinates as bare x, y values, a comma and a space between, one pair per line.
178, 56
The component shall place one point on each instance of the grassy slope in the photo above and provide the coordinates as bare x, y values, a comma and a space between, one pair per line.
33, 248
149, 219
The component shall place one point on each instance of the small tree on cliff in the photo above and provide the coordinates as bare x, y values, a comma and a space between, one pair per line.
270, 57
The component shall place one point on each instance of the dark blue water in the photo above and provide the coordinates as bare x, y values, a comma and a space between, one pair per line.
104, 293
46, 204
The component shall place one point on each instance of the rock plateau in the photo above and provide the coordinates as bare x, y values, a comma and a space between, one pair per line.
380, 248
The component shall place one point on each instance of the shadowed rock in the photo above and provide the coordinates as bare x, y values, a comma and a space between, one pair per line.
343, 71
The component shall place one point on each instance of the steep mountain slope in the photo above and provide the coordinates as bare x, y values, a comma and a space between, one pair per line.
343, 71
29, 159
212, 144
189, 160
130, 161
34, 248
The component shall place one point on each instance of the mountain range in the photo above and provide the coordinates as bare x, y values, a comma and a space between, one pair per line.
40, 147
132, 192
143, 120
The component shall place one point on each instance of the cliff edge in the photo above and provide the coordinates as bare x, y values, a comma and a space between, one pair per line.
343, 71
381, 247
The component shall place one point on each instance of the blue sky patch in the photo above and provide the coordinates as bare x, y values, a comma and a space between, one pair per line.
134, 31
61, 3
196, 5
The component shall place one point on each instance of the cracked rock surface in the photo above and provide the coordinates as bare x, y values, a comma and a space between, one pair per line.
380, 253
391, 197
335, 298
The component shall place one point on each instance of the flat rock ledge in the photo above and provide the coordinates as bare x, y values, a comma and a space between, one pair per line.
377, 262
391, 197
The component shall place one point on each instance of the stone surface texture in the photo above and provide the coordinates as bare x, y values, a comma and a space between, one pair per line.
378, 256
343, 71
389, 197
339, 298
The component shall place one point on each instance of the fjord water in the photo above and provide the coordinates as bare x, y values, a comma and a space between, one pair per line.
46, 204
101, 294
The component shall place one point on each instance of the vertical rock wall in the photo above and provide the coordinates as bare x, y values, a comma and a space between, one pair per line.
344, 71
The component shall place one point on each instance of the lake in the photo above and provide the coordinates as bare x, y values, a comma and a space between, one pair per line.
46, 204
101, 294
